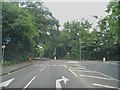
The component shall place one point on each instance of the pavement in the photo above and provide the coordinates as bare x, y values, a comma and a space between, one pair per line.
61, 74
11, 68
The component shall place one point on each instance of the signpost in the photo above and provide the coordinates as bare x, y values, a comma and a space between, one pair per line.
7, 40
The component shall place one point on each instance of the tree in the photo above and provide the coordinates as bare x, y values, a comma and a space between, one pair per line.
19, 25
46, 25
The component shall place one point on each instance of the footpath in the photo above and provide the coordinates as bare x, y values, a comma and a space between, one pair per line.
11, 68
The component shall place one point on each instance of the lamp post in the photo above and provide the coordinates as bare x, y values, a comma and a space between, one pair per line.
78, 34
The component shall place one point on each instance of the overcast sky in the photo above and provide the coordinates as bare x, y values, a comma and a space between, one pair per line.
68, 11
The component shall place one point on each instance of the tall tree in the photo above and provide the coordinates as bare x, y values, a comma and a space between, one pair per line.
19, 25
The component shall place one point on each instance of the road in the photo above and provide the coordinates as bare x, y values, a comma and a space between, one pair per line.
64, 74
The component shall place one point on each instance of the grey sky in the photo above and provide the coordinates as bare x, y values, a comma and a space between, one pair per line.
68, 11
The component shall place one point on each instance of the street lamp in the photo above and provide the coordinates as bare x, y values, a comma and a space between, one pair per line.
78, 34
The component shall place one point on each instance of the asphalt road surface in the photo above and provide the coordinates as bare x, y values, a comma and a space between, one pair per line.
61, 74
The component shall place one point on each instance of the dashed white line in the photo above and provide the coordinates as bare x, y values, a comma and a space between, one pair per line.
105, 86
29, 82
38, 65
95, 77
62, 65
35, 65
41, 65
53, 65
42, 68
72, 72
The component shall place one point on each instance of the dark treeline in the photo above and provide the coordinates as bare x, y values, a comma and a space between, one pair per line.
35, 31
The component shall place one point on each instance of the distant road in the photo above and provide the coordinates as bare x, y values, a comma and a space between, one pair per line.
64, 74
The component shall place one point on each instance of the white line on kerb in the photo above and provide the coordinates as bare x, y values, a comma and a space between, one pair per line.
105, 86
95, 77
42, 68
72, 72
29, 82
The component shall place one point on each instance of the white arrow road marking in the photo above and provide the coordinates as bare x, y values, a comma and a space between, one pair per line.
6, 83
58, 85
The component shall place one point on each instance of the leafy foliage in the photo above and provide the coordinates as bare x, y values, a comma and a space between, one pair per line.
35, 31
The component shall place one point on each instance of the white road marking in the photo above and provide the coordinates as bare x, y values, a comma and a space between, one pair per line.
38, 65
42, 68
58, 85
6, 83
35, 65
62, 65
111, 63
41, 65
82, 66
85, 71
105, 86
106, 75
72, 72
29, 82
95, 77
53, 65
65, 66
73, 62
